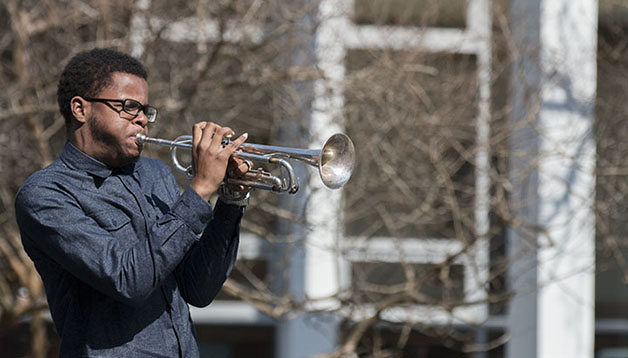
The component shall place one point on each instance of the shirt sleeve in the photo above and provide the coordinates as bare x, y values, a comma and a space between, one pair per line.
53, 224
209, 263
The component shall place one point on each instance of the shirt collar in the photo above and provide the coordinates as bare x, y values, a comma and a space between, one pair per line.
76, 159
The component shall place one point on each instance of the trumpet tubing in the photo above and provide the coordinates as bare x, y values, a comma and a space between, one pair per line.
334, 161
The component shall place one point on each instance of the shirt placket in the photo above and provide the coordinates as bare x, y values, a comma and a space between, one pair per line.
148, 212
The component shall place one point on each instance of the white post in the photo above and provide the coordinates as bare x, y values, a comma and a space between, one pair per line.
552, 173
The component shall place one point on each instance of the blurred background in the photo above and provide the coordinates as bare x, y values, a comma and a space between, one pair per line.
487, 212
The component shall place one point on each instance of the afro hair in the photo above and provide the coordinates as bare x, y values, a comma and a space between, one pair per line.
89, 72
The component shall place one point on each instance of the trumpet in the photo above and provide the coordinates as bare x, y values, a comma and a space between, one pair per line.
334, 161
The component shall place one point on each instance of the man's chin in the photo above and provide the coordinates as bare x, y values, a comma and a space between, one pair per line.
132, 157
128, 157
134, 151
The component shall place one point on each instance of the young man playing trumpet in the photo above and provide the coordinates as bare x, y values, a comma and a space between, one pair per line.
120, 249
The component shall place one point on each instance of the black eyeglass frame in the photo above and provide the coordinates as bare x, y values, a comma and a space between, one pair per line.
140, 107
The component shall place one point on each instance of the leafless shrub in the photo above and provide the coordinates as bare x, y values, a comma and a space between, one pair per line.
250, 64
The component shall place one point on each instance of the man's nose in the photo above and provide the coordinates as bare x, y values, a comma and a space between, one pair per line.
141, 119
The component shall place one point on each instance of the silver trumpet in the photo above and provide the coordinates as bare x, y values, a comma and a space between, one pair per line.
334, 161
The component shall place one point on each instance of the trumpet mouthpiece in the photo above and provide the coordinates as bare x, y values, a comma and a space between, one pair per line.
140, 138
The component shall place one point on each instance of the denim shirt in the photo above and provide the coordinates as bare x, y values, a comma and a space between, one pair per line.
121, 252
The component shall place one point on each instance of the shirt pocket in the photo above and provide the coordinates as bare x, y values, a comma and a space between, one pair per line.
119, 226
111, 220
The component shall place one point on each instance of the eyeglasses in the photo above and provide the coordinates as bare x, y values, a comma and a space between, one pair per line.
129, 106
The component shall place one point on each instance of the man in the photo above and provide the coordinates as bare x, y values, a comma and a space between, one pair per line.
120, 249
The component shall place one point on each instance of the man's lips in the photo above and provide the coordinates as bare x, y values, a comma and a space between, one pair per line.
134, 139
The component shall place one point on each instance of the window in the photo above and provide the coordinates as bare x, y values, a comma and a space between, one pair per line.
416, 148
233, 341
612, 174
422, 13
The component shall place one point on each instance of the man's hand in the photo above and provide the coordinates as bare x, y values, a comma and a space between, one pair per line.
209, 158
236, 169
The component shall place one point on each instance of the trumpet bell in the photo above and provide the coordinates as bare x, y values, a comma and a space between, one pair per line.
336, 161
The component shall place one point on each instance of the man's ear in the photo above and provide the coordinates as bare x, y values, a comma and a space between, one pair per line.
80, 109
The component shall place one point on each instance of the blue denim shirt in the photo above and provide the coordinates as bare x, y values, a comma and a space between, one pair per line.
121, 252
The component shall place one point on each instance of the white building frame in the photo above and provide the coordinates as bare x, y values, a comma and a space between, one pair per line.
337, 35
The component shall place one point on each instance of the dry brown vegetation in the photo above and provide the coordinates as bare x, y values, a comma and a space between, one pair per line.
411, 115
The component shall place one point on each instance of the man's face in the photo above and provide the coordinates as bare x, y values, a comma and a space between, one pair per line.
112, 133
